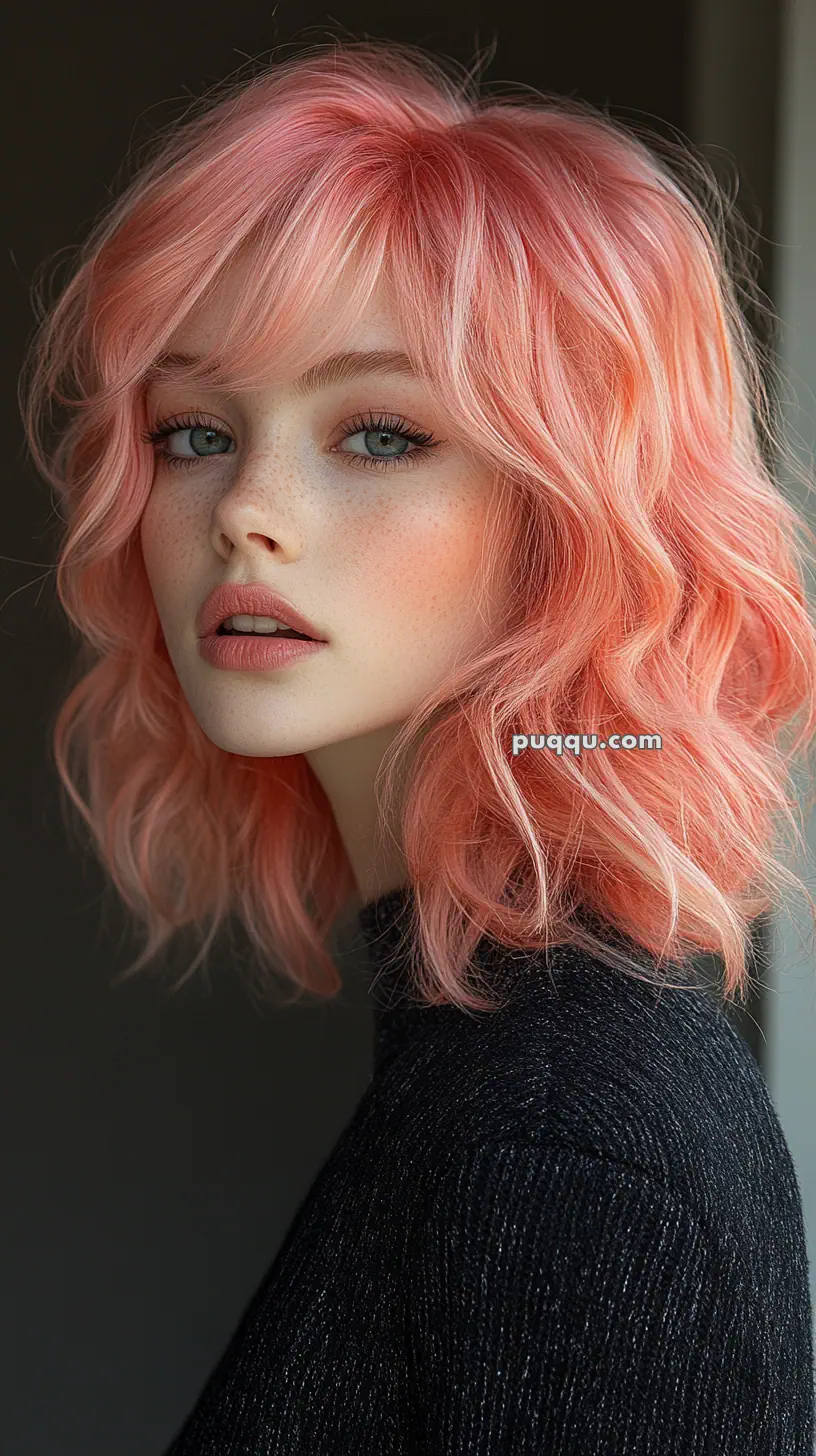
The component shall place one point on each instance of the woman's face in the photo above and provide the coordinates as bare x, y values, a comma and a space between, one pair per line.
382, 558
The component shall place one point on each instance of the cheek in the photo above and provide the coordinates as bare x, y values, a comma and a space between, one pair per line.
166, 536
420, 564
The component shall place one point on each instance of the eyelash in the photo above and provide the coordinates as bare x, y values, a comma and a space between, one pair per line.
388, 424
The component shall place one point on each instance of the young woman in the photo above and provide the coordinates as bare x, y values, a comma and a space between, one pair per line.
431, 571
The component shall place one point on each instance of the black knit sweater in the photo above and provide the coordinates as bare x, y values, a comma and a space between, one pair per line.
571, 1227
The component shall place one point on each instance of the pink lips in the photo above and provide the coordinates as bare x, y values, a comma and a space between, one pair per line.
232, 599
254, 654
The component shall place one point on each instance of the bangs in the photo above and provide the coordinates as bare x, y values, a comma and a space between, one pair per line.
273, 291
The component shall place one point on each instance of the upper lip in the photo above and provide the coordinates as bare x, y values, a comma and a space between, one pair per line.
251, 599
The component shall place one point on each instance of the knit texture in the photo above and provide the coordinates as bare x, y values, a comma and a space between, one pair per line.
571, 1227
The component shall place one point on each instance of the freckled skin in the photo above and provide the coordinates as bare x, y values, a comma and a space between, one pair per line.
382, 561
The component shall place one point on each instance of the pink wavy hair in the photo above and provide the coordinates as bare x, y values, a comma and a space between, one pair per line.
575, 300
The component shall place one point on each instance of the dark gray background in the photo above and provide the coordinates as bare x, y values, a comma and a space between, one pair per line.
155, 1149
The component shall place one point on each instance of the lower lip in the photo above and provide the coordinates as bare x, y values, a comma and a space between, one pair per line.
254, 654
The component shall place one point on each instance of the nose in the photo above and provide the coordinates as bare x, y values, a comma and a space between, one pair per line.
252, 523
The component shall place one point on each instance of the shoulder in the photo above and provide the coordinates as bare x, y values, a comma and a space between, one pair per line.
629, 1075
567, 1294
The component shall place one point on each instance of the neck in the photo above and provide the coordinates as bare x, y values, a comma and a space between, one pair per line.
347, 773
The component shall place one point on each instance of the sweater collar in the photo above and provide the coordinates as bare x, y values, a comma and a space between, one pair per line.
398, 1013
385, 923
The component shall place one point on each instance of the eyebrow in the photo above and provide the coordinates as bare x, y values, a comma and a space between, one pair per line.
334, 370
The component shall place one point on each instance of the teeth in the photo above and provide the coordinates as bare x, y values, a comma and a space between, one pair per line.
253, 624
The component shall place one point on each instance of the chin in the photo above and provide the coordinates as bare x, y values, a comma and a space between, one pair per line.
235, 738
251, 747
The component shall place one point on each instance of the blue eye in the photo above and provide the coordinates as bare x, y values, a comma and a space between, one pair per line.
383, 431
177, 425
380, 430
